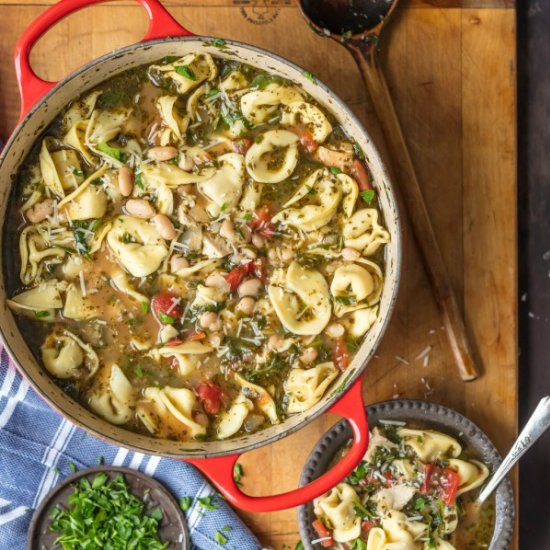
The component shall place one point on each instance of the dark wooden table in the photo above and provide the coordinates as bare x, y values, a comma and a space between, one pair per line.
534, 258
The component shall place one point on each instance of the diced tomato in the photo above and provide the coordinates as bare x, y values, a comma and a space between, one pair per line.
166, 308
210, 395
340, 355
440, 482
361, 175
323, 533
242, 145
307, 141
236, 275
261, 223
174, 342
366, 526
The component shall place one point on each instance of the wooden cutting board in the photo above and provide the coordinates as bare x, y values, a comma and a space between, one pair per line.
451, 68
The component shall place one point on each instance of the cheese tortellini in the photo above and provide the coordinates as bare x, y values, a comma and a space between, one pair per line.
273, 158
137, 245
326, 191
306, 387
301, 302
114, 402
338, 506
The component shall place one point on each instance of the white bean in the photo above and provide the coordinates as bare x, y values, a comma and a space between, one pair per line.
40, 211
217, 280
165, 227
227, 231
177, 262
125, 181
335, 330
162, 153
249, 253
272, 256
275, 341
350, 254
287, 254
251, 287
308, 355
140, 208
208, 319
258, 241
246, 305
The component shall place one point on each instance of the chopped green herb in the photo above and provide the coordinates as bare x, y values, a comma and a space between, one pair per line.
157, 514
144, 307
263, 80
56, 470
299, 545
227, 528
247, 217
139, 371
218, 43
78, 172
224, 206
213, 92
220, 538
101, 460
335, 170
166, 319
309, 76
185, 503
72, 467
110, 151
346, 300
208, 502
237, 472
138, 180
41, 314
358, 474
419, 503
368, 196
358, 151
186, 71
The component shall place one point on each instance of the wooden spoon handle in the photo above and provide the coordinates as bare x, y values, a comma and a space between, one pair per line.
365, 54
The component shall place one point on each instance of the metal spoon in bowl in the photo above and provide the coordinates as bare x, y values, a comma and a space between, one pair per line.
357, 24
535, 427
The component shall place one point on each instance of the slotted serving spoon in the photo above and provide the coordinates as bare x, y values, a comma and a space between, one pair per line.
357, 24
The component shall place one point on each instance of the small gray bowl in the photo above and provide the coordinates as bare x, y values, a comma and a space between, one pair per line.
429, 415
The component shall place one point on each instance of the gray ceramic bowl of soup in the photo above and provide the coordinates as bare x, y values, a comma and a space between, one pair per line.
424, 415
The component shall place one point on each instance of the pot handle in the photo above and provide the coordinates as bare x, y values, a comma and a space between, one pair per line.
31, 87
220, 469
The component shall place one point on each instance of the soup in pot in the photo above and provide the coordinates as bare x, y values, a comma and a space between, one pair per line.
201, 249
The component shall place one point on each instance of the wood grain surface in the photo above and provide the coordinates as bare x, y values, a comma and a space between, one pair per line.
451, 71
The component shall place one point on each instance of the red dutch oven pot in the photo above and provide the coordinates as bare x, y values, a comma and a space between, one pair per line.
41, 101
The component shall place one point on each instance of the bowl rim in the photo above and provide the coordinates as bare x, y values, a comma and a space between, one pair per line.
204, 449
436, 416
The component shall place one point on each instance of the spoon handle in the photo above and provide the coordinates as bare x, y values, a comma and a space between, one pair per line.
535, 427
366, 56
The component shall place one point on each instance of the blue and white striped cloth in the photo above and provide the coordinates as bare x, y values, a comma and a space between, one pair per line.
37, 446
